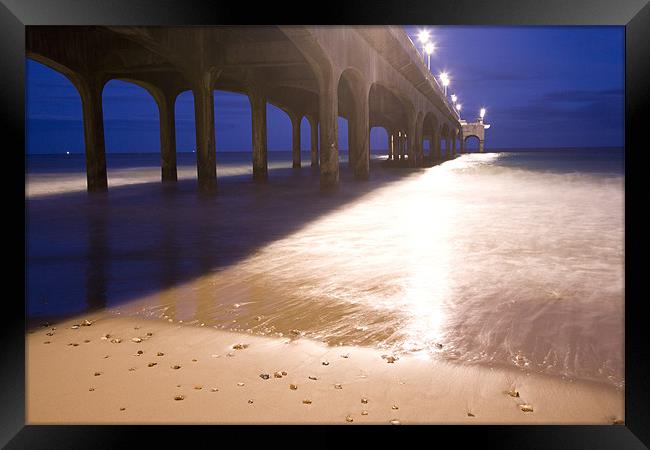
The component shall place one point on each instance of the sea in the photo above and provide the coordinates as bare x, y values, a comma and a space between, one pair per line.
506, 258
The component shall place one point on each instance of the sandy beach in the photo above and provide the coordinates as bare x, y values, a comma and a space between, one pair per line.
131, 370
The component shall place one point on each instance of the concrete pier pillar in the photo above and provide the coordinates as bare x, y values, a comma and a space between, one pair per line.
419, 143
206, 159
327, 116
296, 118
399, 146
411, 141
480, 146
391, 146
453, 147
258, 116
359, 132
313, 123
462, 145
90, 89
166, 104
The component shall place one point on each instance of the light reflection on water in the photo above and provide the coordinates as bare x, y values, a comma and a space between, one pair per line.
469, 261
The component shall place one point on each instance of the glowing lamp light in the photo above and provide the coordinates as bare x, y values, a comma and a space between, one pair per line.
444, 78
458, 106
429, 48
454, 98
423, 36
482, 114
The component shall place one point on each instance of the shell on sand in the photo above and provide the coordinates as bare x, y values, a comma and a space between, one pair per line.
526, 407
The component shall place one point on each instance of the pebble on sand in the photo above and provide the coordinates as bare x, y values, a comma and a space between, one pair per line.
526, 407
313, 378
513, 393
122, 409
338, 386
151, 364
390, 359
349, 419
293, 387
176, 367
277, 374
250, 402
364, 400
139, 352
364, 413
240, 346
395, 407
74, 327
307, 402
91, 389
179, 397
198, 387
240, 384
136, 339
97, 374
394, 422
214, 389
74, 344
325, 363
469, 414
346, 356
116, 340
265, 376
160, 354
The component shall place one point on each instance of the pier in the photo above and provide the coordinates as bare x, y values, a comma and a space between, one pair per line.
372, 76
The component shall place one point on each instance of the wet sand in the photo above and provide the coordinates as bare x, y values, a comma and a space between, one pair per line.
103, 381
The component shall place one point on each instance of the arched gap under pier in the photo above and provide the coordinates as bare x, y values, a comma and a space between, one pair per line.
379, 142
278, 136
233, 130
344, 150
54, 117
471, 144
131, 126
185, 135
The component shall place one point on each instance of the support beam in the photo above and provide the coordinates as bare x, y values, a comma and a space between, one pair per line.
480, 146
296, 118
328, 113
313, 123
258, 116
359, 134
166, 102
206, 159
411, 140
453, 146
90, 89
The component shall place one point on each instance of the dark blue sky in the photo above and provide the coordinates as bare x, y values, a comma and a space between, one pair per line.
542, 87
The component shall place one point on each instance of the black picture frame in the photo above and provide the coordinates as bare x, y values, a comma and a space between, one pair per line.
633, 14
